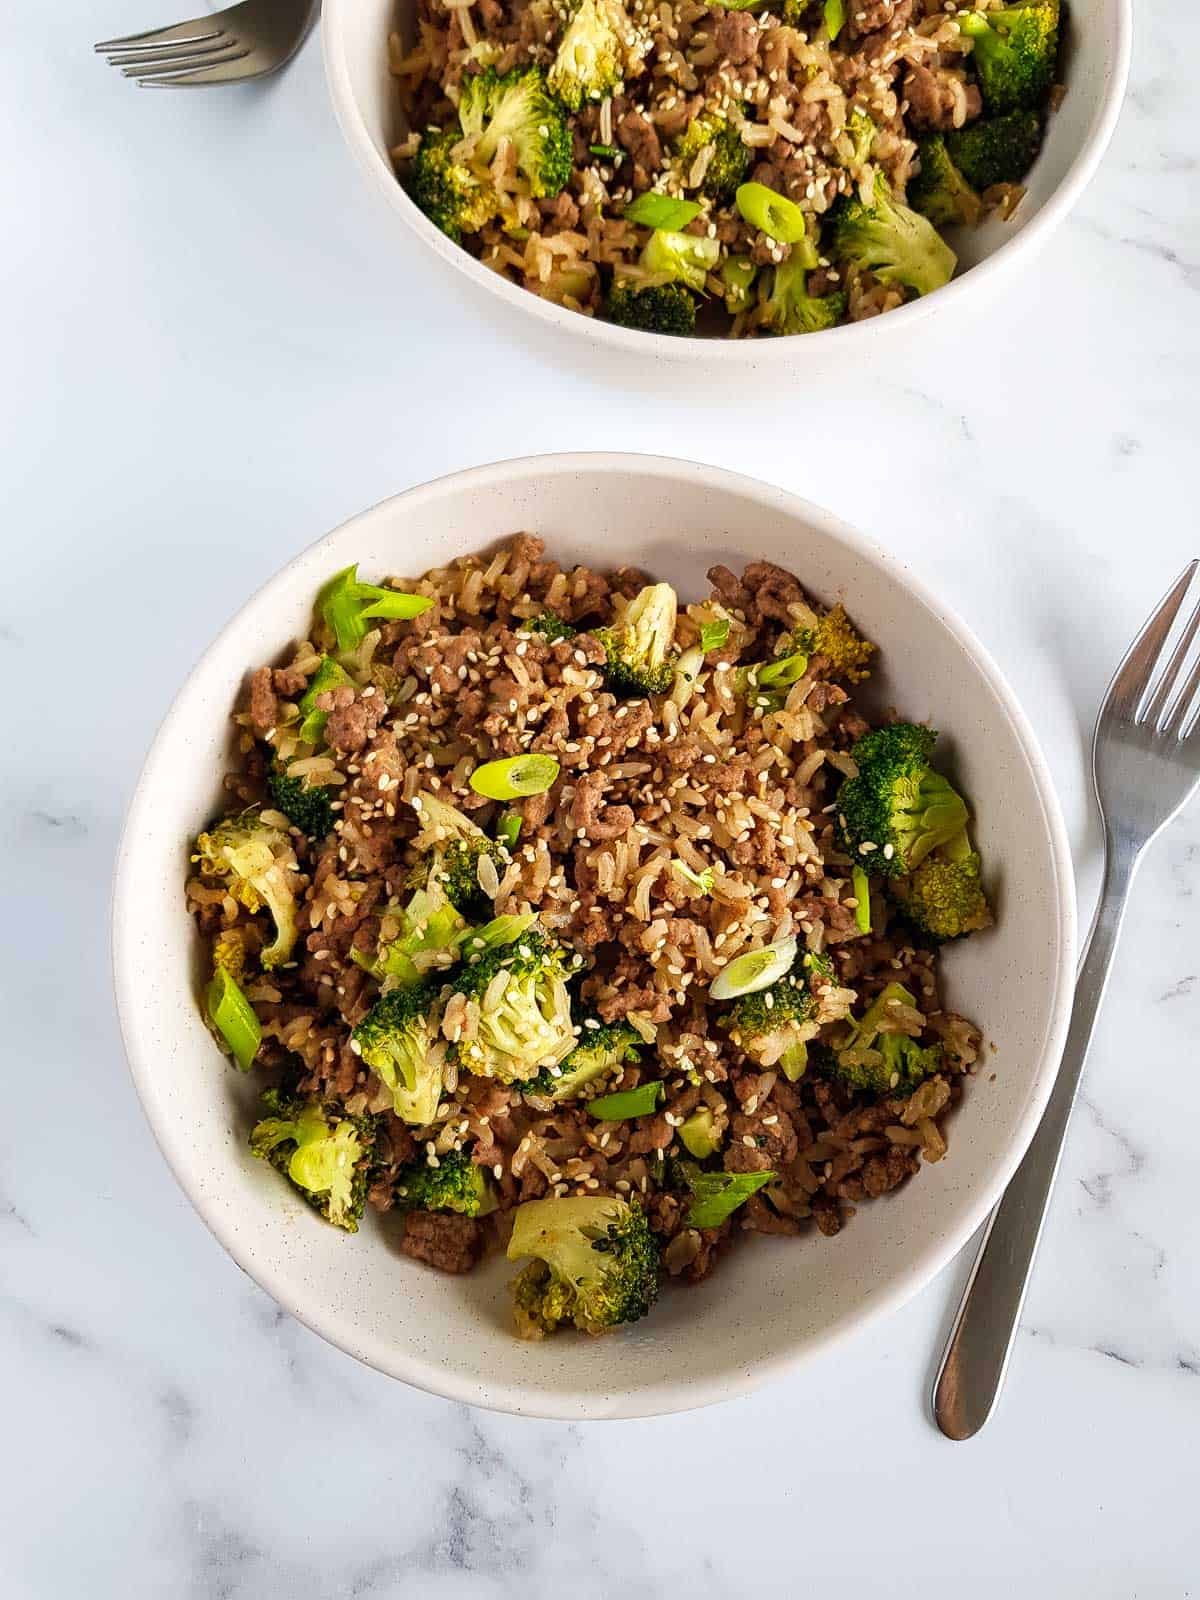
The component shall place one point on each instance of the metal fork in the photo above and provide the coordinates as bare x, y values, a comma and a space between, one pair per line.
243, 41
1145, 767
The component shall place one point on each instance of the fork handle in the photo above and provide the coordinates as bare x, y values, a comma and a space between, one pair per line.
977, 1352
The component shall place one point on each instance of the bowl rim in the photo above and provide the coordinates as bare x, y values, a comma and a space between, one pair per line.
668, 1396
737, 353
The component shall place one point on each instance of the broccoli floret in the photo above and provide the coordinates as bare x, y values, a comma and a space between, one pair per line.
326, 1155
835, 637
602, 1048
878, 1060
897, 810
259, 866
730, 160
897, 1065
447, 191
549, 627
662, 308
595, 1265
307, 807
897, 741
525, 1024
944, 898
861, 130
458, 873
519, 107
789, 308
229, 953
430, 930
895, 243
681, 257
819, 966
453, 848
996, 150
1015, 54
770, 1022
939, 191
398, 1040
456, 1184
639, 650
599, 49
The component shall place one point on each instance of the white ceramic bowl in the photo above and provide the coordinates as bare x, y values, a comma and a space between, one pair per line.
774, 1301
1097, 64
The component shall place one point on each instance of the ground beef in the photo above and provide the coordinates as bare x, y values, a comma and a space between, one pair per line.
868, 16
593, 820
622, 725
736, 37
638, 135
288, 682
884, 1172
264, 704
352, 718
772, 591
827, 1214
561, 213
932, 97
535, 808
442, 1240
628, 999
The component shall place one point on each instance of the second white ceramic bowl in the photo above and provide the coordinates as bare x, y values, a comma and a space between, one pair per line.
773, 1302
364, 96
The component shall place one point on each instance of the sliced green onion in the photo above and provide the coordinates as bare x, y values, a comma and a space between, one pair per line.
737, 274
794, 1061
835, 17
394, 603
639, 1102
757, 969
508, 829
697, 1136
702, 880
782, 672
717, 1195
327, 676
662, 211
514, 777
341, 604
713, 635
500, 930
339, 607
607, 152
774, 214
233, 1017
862, 893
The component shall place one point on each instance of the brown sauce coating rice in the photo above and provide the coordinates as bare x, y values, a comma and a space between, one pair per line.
704, 780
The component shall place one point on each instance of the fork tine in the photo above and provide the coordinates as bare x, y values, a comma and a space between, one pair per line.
1185, 713
181, 52
194, 32
233, 51
231, 71
1136, 670
1155, 710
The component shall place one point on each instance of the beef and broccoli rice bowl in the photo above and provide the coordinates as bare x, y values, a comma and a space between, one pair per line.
566, 919
678, 167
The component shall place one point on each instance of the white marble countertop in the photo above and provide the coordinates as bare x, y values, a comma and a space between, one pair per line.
216, 347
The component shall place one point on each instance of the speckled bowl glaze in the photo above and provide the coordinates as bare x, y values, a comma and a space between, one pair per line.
772, 1303
1096, 56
